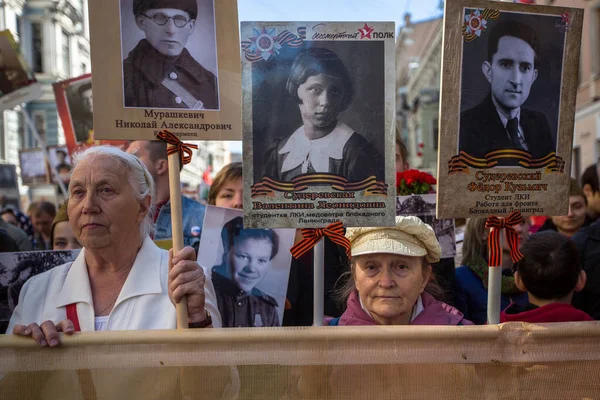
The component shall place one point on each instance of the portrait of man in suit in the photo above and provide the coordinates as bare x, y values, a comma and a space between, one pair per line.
502, 120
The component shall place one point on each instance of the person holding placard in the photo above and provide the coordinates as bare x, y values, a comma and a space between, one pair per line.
321, 85
390, 275
160, 72
121, 280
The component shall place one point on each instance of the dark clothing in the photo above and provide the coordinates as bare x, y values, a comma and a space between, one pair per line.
19, 236
482, 131
240, 309
587, 241
360, 160
470, 296
554, 312
301, 285
83, 126
146, 72
7, 243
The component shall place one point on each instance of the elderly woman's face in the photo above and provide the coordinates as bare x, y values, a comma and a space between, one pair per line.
321, 97
102, 208
250, 260
389, 285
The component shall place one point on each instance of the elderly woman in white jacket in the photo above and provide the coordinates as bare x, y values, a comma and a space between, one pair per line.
121, 280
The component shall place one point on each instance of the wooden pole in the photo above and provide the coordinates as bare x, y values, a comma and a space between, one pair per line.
177, 227
319, 285
494, 288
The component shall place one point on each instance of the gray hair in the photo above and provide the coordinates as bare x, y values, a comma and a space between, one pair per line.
139, 178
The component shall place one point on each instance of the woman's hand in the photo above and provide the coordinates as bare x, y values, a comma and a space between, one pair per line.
45, 334
186, 278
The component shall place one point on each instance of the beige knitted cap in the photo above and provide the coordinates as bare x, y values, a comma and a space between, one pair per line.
410, 237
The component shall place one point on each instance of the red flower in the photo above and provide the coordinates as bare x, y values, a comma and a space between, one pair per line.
414, 182
421, 145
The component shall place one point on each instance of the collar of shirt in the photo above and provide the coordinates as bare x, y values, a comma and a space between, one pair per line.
156, 66
157, 209
302, 150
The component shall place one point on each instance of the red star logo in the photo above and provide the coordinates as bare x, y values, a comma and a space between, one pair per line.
365, 32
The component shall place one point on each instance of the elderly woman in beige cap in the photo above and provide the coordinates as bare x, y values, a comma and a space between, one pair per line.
390, 278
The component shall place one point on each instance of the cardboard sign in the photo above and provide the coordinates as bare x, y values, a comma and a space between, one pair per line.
34, 170
75, 107
249, 268
17, 83
175, 67
509, 80
318, 118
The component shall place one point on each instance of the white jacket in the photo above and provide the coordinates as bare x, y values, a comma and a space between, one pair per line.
143, 303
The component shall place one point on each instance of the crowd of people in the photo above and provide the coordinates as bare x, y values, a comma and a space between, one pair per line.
119, 203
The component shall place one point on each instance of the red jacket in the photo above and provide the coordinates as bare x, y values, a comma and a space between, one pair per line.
554, 312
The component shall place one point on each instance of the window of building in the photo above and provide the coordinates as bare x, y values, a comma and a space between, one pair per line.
66, 53
18, 28
37, 47
83, 68
39, 121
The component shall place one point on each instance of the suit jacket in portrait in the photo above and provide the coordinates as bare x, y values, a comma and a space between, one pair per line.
482, 131
154, 80
349, 155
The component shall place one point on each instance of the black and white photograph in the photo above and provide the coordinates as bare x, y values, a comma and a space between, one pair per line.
249, 268
61, 161
315, 111
81, 108
8, 176
33, 167
318, 109
169, 54
510, 75
423, 206
511, 84
17, 268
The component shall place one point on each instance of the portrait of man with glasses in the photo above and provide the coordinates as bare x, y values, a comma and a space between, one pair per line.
160, 71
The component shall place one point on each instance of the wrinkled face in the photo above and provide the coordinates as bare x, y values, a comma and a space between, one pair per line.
575, 219
511, 72
231, 195
86, 97
10, 218
321, 98
250, 260
64, 239
389, 285
42, 223
167, 39
102, 208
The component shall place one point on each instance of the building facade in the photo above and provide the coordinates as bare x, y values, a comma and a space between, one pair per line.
54, 39
418, 71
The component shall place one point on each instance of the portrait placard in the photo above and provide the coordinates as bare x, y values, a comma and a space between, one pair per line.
17, 268
166, 64
318, 112
508, 109
249, 268
17, 84
34, 170
61, 162
75, 107
423, 206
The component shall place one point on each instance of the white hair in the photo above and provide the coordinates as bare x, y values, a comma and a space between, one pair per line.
140, 179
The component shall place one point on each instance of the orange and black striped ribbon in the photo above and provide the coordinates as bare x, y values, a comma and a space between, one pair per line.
335, 232
184, 149
494, 248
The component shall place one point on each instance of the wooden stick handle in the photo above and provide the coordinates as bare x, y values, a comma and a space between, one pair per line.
319, 285
177, 227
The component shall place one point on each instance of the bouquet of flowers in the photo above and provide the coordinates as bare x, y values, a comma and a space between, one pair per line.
414, 181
